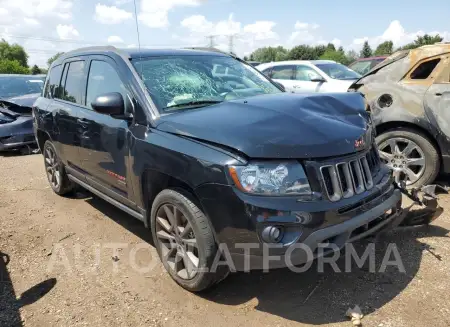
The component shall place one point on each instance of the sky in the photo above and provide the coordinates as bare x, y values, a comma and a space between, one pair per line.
45, 27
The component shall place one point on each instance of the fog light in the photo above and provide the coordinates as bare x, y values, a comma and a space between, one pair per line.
272, 234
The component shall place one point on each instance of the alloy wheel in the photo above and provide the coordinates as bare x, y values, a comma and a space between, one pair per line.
177, 241
52, 167
404, 157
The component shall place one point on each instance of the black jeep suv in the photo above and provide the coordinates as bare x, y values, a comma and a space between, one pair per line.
213, 162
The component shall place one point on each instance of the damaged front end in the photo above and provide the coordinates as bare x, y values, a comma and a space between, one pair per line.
423, 209
16, 127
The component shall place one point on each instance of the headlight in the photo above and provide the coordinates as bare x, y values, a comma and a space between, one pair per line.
271, 178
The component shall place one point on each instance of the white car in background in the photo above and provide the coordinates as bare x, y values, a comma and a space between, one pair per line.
310, 76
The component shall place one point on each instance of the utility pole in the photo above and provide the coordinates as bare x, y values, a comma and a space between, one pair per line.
211, 40
231, 42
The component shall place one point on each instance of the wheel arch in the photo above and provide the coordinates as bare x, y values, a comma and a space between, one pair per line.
396, 125
153, 182
42, 137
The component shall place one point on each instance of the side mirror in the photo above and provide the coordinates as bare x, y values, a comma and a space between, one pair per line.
109, 104
280, 86
318, 79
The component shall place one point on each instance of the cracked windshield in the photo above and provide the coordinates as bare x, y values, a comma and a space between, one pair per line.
186, 82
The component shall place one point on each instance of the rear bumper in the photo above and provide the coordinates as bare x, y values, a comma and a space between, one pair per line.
331, 239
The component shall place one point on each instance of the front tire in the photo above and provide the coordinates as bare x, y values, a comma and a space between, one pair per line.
411, 155
184, 240
54, 168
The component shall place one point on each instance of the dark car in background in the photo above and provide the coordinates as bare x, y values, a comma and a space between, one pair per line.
209, 161
364, 65
408, 95
17, 95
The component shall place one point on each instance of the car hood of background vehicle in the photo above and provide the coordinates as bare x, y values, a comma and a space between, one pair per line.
279, 125
24, 100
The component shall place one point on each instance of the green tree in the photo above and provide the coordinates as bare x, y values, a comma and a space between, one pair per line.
53, 58
245, 58
366, 51
303, 52
385, 48
330, 47
423, 40
351, 56
13, 52
335, 55
268, 54
35, 70
12, 67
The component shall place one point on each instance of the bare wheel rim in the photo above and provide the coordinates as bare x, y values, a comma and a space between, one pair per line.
177, 241
404, 157
52, 167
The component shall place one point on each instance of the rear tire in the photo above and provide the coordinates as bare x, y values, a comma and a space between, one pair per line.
425, 148
173, 214
54, 169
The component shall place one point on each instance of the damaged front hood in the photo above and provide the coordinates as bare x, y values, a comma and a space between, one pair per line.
23, 100
279, 125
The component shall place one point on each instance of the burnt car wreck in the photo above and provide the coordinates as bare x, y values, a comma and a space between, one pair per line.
409, 97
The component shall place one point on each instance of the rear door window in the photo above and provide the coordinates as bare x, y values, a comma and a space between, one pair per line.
305, 73
53, 81
73, 86
283, 72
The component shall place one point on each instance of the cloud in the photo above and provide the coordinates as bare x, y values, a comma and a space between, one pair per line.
197, 24
110, 14
27, 22
66, 32
261, 30
245, 38
115, 39
121, 2
305, 33
337, 43
305, 26
396, 33
31, 21
155, 13
36, 9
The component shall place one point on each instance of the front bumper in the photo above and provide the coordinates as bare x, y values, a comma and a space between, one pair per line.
333, 238
238, 220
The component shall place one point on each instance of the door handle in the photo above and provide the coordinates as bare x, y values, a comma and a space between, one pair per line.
438, 94
297, 87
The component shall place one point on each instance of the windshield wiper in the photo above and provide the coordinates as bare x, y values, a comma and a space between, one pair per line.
193, 103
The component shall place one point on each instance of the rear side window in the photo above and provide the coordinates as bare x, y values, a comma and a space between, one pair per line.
282, 72
73, 86
305, 73
52, 85
424, 70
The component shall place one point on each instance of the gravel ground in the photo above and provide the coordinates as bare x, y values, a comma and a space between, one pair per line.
58, 270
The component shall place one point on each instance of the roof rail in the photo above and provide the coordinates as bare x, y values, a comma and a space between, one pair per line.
212, 50
102, 47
